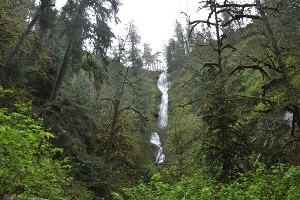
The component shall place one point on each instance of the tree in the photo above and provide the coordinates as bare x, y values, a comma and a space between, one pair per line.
150, 61
177, 49
224, 148
136, 87
44, 4
117, 125
271, 63
261, 49
275, 60
80, 27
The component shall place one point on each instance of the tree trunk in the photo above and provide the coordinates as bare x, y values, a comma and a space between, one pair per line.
62, 71
112, 133
21, 41
114, 128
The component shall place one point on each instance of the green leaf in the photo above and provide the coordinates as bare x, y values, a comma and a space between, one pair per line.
48, 135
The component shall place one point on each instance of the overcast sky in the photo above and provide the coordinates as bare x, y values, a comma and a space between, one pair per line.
154, 18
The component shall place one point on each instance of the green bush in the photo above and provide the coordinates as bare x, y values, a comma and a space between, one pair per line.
196, 187
280, 182
27, 169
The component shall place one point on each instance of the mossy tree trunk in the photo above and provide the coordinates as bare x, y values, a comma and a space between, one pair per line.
12, 56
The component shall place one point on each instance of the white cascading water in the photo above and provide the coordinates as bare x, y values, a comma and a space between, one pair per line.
288, 117
160, 157
163, 86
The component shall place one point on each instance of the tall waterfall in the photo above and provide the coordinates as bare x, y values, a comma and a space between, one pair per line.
163, 86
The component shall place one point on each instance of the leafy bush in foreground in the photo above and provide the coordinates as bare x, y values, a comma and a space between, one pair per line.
281, 182
27, 169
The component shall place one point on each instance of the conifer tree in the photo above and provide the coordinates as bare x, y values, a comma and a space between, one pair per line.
80, 27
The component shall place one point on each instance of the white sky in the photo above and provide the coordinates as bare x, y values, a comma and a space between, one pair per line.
154, 18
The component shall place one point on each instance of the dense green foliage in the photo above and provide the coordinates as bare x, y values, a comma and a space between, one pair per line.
234, 113
234, 84
27, 167
92, 104
278, 183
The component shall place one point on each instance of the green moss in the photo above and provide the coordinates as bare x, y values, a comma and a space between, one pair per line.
252, 82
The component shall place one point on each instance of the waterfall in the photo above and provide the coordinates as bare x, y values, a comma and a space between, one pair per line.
160, 157
288, 117
163, 86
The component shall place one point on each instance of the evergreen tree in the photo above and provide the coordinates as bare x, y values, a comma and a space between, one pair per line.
176, 49
151, 61
80, 27
138, 88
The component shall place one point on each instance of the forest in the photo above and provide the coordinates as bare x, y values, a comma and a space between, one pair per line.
79, 105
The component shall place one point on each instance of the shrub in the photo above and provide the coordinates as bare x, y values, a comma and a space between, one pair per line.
27, 167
